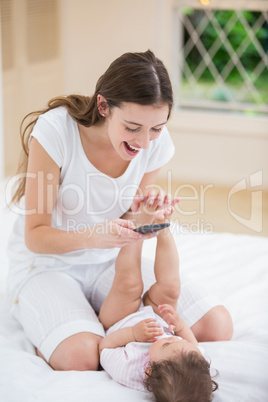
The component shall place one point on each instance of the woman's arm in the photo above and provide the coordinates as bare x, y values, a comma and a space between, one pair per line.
43, 180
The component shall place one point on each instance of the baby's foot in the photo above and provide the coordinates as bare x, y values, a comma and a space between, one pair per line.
155, 208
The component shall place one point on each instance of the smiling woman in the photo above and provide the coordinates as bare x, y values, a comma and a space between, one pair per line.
86, 178
85, 160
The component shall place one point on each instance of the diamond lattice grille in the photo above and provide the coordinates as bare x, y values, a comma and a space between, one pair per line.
223, 59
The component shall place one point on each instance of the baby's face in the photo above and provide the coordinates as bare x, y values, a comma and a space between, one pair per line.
164, 349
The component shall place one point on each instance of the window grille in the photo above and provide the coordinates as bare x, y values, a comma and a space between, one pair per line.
222, 59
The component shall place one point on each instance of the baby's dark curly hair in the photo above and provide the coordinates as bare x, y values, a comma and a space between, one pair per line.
185, 378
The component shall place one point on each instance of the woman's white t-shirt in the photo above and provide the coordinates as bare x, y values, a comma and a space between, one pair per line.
86, 196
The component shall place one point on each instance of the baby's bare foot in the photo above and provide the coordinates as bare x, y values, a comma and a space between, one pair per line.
155, 208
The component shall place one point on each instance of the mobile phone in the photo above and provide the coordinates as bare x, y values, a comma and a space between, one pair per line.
151, 228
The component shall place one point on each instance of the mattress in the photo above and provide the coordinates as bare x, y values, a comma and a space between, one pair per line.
234, 267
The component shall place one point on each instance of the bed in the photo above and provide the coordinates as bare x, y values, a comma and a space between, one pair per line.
235, 267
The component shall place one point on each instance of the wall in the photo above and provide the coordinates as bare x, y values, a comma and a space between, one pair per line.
218, 149
210, 147
31, 66
95, 32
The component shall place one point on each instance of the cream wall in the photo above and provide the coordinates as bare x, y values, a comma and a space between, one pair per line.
28, 82
95, 32
218, 149
210, 148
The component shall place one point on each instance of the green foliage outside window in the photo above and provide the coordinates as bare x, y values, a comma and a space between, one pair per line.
236, 32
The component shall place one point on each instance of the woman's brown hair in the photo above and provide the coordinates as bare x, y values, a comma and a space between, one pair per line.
139, 78
183, 379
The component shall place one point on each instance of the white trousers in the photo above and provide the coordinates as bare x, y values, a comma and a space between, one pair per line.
55, 305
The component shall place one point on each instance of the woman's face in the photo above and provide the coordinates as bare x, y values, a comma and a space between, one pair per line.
131, 127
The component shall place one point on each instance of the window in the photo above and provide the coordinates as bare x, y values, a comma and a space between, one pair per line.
222, 55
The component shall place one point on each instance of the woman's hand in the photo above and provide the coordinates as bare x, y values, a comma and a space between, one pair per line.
147, 330
154, 208
163, 204
113, 233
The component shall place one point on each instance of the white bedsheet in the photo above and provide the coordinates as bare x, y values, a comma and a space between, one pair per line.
235, 267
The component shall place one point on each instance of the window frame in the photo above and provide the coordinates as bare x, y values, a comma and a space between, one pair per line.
212, 121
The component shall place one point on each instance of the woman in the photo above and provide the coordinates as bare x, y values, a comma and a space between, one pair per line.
89, 159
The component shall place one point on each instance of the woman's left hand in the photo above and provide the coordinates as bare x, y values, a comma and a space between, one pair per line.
155, 207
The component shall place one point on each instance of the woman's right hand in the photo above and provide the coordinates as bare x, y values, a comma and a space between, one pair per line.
114, 233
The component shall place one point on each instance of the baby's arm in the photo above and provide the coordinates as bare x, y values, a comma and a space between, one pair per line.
118, 338
176, 324
144, 331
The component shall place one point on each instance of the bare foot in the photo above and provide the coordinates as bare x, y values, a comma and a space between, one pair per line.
155, 208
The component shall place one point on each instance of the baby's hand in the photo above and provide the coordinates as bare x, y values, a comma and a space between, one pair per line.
169, 315
147, 330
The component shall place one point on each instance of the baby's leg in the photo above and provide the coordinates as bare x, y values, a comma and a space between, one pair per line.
124, 297
166, 289
155, 209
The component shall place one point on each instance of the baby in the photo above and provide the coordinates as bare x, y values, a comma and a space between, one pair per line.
151, 347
